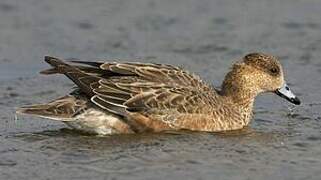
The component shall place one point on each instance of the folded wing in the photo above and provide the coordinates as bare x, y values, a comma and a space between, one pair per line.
121, 88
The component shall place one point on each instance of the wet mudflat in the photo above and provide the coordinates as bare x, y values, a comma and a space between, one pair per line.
206, 37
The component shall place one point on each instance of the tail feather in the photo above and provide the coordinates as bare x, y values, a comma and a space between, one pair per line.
43, 111
49, 71
62, 109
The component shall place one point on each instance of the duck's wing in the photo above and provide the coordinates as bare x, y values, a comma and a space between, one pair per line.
122, 88
159, 73
140, 95
177, 107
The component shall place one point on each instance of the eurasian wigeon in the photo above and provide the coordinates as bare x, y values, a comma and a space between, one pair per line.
114, 98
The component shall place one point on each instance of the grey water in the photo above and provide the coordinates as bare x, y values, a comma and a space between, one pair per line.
203, 36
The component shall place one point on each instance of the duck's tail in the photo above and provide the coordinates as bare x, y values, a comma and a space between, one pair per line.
62, 109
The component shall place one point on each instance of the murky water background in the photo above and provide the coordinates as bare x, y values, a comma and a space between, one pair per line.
204, 36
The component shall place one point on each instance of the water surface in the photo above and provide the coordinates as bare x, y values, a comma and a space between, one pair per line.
203, 36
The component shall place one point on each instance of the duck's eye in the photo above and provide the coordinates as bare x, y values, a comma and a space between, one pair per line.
274, 71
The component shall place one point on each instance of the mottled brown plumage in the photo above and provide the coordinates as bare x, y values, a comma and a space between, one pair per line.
139, 97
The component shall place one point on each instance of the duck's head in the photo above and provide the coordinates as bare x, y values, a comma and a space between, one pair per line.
254, 74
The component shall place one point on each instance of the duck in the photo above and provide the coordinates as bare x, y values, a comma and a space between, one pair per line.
127, 98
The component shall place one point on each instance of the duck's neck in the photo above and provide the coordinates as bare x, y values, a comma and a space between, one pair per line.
239, 97
239, 88
240, 94
242, 104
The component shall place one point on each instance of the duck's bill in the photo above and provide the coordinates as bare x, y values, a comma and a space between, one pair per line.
286, 93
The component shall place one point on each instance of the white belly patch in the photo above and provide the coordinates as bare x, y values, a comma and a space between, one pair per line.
95, 121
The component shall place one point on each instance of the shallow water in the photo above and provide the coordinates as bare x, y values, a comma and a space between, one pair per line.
204, 36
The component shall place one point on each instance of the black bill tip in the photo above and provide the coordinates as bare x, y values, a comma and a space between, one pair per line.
295, 101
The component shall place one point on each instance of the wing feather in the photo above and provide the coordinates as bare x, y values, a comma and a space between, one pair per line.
136, 87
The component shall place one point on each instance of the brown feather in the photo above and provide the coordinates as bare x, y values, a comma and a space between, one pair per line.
64, 108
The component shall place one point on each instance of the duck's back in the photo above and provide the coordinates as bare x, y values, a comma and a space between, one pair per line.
140, 96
